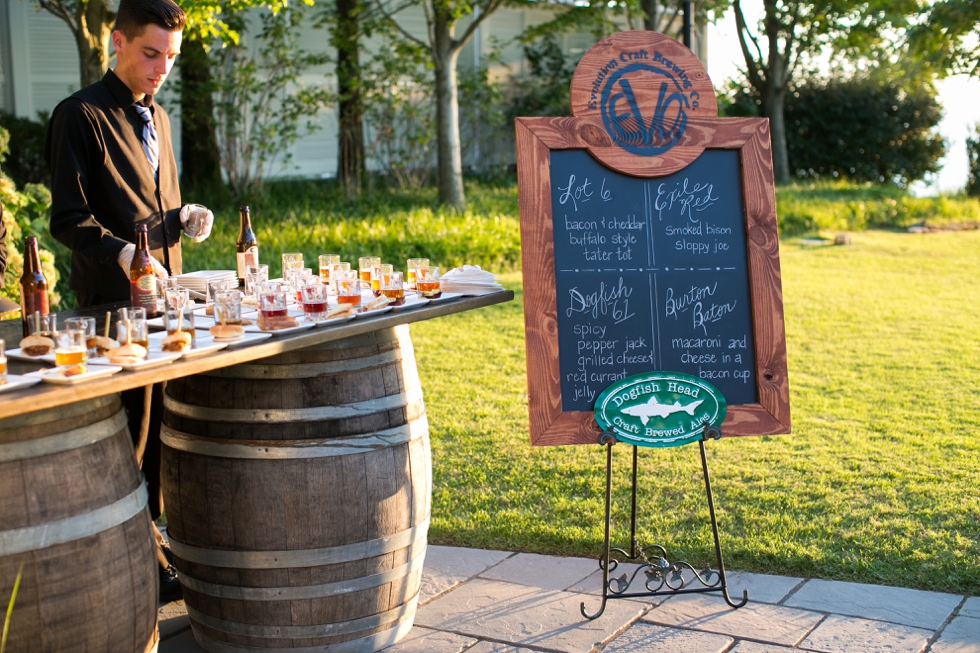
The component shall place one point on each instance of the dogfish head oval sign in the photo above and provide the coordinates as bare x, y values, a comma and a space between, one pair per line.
645, 86
659, 409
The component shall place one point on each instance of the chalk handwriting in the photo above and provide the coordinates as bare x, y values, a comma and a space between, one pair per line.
684, 197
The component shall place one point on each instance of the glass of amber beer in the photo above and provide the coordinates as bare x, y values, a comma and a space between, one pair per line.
411, 267
364, 266
393, 288
348, 288
326, 265
427, 281
70, 348
132, 327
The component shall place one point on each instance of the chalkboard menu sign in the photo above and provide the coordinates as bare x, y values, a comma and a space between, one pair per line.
649, 243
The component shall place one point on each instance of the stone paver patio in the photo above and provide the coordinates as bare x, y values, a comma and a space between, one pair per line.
501, 602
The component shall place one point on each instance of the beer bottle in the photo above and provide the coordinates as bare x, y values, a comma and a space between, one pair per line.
33, 285
142, 280
247, 245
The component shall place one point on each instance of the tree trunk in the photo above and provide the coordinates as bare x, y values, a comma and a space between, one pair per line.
652, 20
447, 115
198, 147
350, 110
94, 22
773, 106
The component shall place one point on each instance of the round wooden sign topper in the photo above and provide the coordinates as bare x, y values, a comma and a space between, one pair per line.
644, 86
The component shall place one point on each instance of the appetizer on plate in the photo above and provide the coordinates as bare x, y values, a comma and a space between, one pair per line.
227, 332
36, 345
339, 310
104, 344
178, 341
126, 354
374, 304
276, 323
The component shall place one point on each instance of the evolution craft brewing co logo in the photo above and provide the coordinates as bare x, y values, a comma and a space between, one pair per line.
644, 101
659, 409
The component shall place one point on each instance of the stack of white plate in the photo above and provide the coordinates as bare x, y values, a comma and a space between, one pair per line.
469, 280
198, 281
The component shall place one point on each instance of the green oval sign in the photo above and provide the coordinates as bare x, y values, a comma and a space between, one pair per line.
659, 409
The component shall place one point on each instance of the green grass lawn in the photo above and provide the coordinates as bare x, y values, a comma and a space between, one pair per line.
878, 482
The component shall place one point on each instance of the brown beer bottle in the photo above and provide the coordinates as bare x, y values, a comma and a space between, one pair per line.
142, 280
33, 285
247, 246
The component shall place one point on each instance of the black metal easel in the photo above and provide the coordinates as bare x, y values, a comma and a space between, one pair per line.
662, 577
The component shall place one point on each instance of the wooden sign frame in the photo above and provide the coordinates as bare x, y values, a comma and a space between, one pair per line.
536, 139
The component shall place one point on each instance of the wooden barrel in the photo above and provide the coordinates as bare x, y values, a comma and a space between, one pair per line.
297, 491
73, 513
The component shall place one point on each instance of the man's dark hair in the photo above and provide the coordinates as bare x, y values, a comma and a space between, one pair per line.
134, 15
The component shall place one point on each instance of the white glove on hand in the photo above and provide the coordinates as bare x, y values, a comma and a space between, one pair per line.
125, 260
200, 231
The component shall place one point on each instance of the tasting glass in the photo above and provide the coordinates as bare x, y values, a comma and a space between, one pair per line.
228, 307
376, 272
70, 347
315, 300
3, 361
43, 325
178, 317
272, 303
414, 264
364, 265
291, 261
348, 288
326, 265
217, 285
392, 287
195, 218
132, 322
427, 281
255, 275
335, 270
88, 325
176, 298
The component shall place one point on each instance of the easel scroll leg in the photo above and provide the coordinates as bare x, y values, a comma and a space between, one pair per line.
608, 440
715, 432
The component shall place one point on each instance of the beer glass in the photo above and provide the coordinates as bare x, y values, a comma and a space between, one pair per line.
376, 272
70, 348
254, 276
178, 317
43, 325
348, 288
132, 327
291, 261
314, 300
326, 265
427, 281
411, 267
195, 218
393, 288
228, 307
88, 325
364, 265
272, 303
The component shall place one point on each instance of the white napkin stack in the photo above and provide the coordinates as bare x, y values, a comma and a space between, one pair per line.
470, 280
198, 281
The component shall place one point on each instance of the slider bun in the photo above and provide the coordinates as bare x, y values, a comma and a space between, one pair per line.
131, 353
227, 331
178, 341
37, 345
102, 342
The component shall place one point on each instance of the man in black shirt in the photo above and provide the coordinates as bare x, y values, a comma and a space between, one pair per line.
112, 169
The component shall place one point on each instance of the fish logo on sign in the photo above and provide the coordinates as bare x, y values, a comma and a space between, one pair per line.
633, 90
659, 409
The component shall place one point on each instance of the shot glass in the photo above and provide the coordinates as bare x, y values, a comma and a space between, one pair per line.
376, 272
348, 288
272, 303
314, 301
178, 318
3, 361
176, 298
87, 324
393, 287
70, 348
228, 307
254, 276
291, 261
427, 281
132, 327
326, 265
43, 325
364, 265
195, 218
412, 265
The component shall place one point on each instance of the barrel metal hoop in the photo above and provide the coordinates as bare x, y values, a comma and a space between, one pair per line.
32, 538
304, 632
306, 370
294, 449
59, 442
281, 415
369, 644
300, 557
303, 592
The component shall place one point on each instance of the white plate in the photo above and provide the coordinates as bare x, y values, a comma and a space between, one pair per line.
205, 323
303, 326
335, 320
203, 344
94, 372
444, 296
16, 382
153, 358
247, 339
16, 354
411, 301
377, 311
